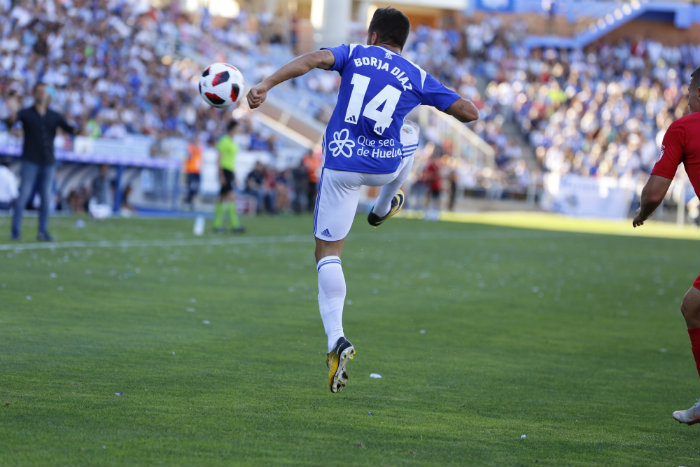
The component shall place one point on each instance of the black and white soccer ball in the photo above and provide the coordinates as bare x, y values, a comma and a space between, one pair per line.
221, 84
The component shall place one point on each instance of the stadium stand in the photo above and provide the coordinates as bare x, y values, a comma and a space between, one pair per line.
109, 66
125, 72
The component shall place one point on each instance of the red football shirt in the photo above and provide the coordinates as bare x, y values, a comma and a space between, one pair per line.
681, 144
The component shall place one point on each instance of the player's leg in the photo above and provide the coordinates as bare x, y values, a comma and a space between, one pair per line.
331, 299
331, 288
391, 198
336, 205
690, 308
28, 174
433, 211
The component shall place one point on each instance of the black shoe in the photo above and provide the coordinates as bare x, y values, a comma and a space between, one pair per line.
14, 236
44, 237
336, 360
396, 204
219, 230
238, 230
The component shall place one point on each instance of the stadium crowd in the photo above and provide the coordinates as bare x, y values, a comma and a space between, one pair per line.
595, 113
460, 57
101, 64
108, 64
112, 66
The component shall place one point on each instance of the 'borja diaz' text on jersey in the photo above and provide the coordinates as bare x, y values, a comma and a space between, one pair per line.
382, 65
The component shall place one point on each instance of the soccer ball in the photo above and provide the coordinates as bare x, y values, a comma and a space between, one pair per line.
220, 85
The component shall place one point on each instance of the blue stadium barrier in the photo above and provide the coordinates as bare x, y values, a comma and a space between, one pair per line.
120, 162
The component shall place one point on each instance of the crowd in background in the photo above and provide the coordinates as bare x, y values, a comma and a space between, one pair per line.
460, 58
100, 60
601, 112
109, 65
112, 67
597, 112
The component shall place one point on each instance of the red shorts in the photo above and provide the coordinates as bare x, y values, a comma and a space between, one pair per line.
696, 284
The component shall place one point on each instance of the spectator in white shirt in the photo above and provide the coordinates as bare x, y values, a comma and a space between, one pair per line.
8, 186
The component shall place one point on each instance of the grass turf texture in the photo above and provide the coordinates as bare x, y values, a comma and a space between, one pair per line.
574, 340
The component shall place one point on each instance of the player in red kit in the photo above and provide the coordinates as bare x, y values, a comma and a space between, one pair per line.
681, 144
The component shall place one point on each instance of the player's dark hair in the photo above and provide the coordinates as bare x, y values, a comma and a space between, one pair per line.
391, 25
37, 84
695, 79
231, 125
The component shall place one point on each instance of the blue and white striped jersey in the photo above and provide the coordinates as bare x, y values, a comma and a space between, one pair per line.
378, 88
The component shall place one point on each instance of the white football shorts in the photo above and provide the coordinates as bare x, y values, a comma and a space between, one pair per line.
339, 191
339, 194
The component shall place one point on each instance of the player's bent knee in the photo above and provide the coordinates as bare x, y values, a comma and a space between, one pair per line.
325, 248
684, 307
690, 307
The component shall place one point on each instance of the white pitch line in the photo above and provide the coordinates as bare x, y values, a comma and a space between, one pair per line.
156, 243
478, 235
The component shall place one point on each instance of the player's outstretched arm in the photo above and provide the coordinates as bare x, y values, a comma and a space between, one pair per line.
299, 66
463, 110
652, 194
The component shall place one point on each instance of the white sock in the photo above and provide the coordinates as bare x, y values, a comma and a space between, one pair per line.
383, 204
331, 297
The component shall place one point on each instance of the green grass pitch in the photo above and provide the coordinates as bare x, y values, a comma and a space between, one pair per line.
496, 346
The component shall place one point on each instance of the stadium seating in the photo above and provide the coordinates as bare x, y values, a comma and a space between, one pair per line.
598, 112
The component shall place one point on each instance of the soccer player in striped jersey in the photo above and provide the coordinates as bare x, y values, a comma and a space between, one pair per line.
362, 146
681, 143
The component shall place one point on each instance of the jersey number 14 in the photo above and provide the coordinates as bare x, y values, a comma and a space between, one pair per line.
389, 97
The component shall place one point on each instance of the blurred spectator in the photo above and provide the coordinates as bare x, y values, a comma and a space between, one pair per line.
99, 205
255, 185
193, 167
159, 176
101, 186
433, 180
300, 185
312, 162
282, 189
78, 200
127, 210
8, 186
452, 190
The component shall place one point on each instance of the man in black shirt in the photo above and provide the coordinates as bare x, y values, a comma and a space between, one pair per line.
38, 160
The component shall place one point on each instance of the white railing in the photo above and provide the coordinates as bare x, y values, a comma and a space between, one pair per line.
465, 143
280, 122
